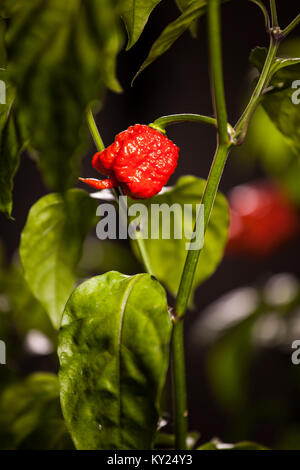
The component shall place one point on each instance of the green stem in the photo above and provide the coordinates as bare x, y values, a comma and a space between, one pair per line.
144, 254
94, 131
184, 292
260, 4
215, 53
274, 15
164, 121
291, 26
212, 184
178, 364
208, 199
117, 192
242, 125
179, 386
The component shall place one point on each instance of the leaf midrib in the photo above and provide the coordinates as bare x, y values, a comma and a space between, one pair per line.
126, 296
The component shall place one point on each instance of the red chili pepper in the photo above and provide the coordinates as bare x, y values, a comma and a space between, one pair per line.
141, 160
261, 219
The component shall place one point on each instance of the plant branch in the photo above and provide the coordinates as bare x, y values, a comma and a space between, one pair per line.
260, 4
274, 15
212, 184
242, 125
216, 67
291, 26
179, 386
184, 292
208, 199
164, 121
94, 130
211, 188
143, 252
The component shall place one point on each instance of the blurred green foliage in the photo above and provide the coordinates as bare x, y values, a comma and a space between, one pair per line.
61, 57
30, 415
246, 338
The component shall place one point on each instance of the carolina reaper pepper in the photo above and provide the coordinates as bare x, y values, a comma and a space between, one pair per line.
262, 218
141, 160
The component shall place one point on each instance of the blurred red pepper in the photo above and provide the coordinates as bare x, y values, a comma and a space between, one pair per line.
141, 160
261, 219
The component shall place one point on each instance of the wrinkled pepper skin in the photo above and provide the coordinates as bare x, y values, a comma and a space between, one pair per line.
141, 161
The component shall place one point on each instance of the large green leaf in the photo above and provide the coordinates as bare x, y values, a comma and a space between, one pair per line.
51, 246
10, 147
135, 14
278, 102
62, 56
168, 256
30, 415
173, 31
114, 356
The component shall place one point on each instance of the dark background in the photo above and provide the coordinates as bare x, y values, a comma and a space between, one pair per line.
179, 82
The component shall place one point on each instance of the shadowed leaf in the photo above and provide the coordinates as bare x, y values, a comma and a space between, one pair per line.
62, 57
51, 246
135, 14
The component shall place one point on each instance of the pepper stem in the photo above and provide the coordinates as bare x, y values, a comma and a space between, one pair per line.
94, 130
161, 123
117, 192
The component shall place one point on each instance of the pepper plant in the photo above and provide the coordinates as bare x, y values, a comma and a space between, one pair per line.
115, 331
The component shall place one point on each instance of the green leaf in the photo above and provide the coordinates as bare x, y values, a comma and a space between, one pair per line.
208, 446
26, 312
135, 14
283, 71
10, 146
173, 31
168, 255
285, 115
29, 409
183, 5
51, 246
215, 444
278, 102
248, 445
113, 351
192, 10
62, 57
275, 154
